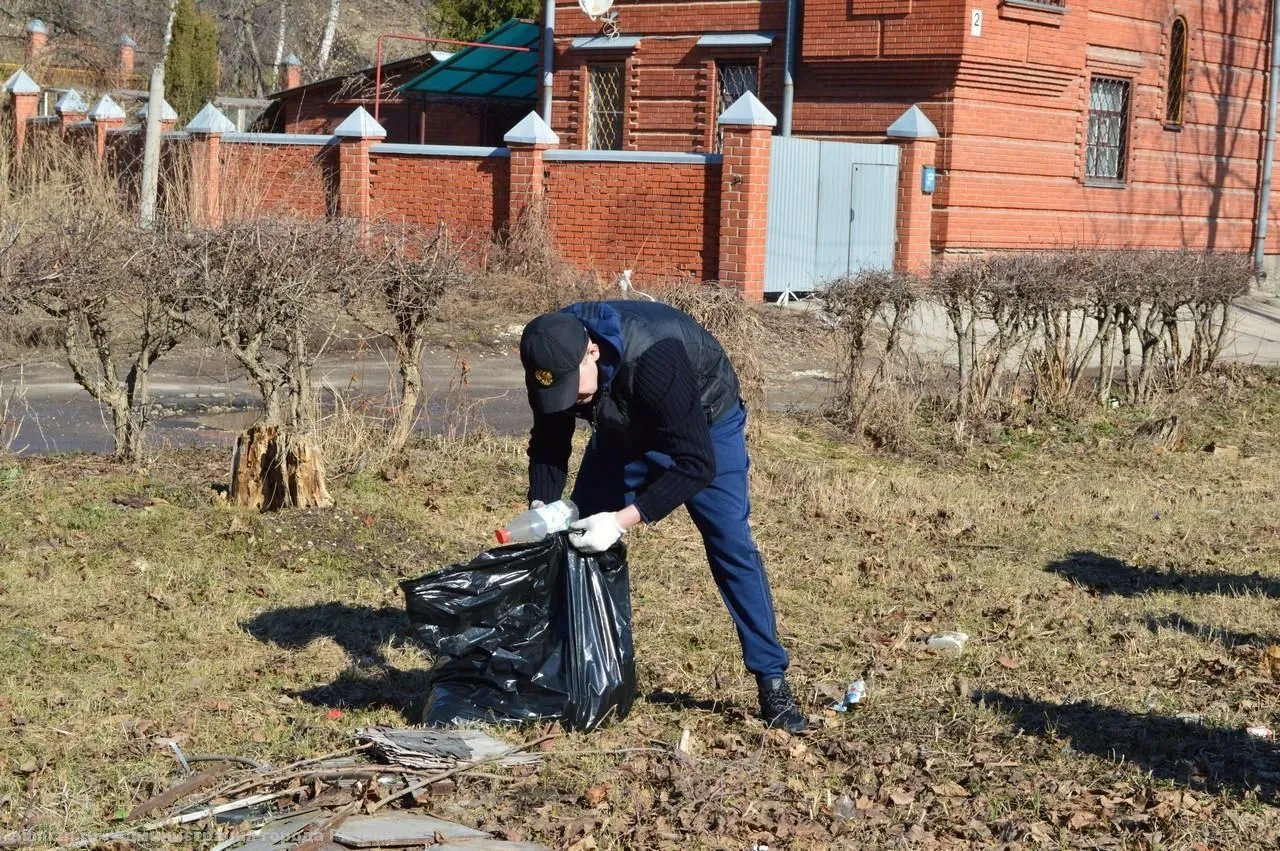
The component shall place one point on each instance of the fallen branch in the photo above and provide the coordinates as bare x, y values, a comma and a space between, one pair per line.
174, 794
187, 818
284, 772
223, 757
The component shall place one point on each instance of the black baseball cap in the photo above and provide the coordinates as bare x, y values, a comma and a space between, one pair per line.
551, 349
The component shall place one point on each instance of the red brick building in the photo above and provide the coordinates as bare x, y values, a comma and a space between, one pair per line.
1061, 122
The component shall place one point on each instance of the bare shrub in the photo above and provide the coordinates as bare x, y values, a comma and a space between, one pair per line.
1064, 316
1212, 282
870, 311
398, 298
991, 322
1072, 325
268, 293
75, 256
1172, 312
13, 411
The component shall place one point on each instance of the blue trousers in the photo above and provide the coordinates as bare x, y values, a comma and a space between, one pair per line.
608, 481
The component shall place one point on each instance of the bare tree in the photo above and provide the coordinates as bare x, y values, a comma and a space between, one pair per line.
262, 287
104, 281
267, 292
330, 30
280, 34
398, 297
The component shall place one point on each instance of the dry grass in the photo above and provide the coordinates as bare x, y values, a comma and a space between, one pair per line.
1106, 590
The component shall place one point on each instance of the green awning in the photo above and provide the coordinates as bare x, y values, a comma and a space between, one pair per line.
484, 72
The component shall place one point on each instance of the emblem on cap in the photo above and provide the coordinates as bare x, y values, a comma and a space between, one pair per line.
544, 377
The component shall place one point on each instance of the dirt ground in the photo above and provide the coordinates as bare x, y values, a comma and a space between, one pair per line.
1119, 603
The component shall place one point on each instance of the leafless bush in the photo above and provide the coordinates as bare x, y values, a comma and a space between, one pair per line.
268, 292
992, 320
399, 296
730, 320
1067, 315
1171, 311
1211, 282
870, 311
73, 255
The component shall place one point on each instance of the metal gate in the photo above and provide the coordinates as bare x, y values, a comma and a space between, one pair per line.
832, 212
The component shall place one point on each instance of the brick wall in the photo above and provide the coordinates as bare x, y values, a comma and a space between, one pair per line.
658, 219
885, 29
1014, 160
466, 193
288, 179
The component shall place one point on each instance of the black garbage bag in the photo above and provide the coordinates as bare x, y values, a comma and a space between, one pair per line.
527, 633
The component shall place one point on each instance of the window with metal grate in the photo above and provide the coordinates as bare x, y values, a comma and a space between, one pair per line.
604, 107
1175, 92
732, 82
1107, 145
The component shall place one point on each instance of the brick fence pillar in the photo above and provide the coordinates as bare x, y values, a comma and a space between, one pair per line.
527, 142
356, 137
744, 194
37, 38
205, 185
918, 140
106, 115
24, 105
71, 109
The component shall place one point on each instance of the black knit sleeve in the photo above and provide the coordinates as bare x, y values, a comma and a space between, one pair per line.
550, 444
668, 402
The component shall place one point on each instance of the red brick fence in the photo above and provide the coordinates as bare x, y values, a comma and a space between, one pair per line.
662, 215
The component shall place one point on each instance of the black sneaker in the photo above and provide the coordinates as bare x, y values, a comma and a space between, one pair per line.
777, 706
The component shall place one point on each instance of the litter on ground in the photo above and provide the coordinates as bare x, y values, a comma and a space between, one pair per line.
370, 796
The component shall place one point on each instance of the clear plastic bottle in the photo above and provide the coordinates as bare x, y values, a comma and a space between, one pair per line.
537, 523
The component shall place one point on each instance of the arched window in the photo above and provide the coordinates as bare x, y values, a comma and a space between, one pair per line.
1176, 90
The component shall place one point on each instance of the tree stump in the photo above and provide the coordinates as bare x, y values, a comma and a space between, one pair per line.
274, 468
1163, 435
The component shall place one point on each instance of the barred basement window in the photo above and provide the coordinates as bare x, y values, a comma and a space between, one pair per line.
1177, 87
604, 107
1108, 140
732, 82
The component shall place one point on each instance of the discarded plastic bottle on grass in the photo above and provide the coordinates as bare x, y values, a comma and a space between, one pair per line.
537, 523
853, 695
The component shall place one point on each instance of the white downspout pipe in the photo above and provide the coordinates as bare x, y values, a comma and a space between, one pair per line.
788, 76
549, 58
1269, 155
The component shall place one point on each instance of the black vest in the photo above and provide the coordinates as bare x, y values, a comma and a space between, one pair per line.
643, 324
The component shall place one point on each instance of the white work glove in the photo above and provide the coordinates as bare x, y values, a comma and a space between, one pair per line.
596, 533
537, 503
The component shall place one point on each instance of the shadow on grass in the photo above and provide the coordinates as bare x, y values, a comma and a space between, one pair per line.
684, 700
1226, 637
1200, 758
1106, 575
362, 632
